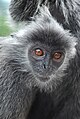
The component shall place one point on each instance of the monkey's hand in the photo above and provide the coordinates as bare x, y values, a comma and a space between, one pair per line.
22, 10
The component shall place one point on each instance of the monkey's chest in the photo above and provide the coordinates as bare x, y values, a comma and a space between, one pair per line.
42, 107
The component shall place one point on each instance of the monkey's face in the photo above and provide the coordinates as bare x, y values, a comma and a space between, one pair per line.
45, 60
49, 54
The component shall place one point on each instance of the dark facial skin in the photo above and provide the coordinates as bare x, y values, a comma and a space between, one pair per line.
45, 61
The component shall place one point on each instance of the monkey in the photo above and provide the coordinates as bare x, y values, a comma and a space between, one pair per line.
40, 71
66, 12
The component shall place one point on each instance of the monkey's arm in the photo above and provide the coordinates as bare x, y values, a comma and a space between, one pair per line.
16, 92
65, 12
22, 10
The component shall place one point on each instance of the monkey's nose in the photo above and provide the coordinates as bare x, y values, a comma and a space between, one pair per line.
44, 66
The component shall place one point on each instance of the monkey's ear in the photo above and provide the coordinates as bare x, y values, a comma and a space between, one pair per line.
22, 10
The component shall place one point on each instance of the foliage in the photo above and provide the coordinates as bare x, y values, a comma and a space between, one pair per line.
4, 28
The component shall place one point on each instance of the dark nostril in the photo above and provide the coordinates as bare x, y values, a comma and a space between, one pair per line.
44, 66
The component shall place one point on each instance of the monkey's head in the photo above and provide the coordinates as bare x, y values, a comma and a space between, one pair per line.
48, 49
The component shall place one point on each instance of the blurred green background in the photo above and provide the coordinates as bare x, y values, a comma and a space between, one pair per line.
5, 28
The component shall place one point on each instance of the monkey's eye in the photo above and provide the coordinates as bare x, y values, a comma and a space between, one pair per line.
58, 56
38, 53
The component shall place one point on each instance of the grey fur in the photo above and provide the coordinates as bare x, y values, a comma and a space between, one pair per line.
18, 83
66, 12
